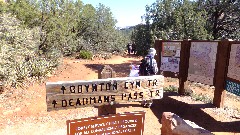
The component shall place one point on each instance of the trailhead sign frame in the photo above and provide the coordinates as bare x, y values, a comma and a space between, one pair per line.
216, 60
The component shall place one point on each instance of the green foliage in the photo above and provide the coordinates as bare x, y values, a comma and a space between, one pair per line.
26, 11
142, 38
119, 41
48, 30
40, 67
176, 20
76, 26
223, 18
84, 54
3, 7
127, 32
189, 22
170, 89
198, 20
18, 57
204, 98
70, 26
57, 28
105, 24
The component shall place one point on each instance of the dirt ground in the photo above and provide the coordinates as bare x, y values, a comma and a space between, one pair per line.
23, 111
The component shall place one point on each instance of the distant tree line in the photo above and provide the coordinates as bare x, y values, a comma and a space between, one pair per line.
69, 25
187, 19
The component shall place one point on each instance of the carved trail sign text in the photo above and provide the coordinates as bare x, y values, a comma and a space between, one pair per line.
75, 94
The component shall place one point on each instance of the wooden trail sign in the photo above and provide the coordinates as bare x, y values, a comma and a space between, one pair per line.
75, 94
129, 123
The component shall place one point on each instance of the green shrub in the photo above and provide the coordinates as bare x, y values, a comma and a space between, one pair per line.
19, 57
203, 98
171, 88
83, 54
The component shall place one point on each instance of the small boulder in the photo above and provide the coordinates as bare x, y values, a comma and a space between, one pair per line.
172, 124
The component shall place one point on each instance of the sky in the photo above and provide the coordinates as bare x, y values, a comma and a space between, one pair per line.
126, 12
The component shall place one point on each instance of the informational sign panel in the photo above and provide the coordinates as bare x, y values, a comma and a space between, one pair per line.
233, 87
234, 70
202, 62
119, 124
234, 62
75, 94
170, 57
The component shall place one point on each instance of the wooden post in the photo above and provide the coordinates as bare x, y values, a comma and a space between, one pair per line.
158, 47
106, 72
106, 108
1, 87
184, 63
220, 73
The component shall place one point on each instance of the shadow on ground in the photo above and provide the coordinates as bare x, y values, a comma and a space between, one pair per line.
131, 55
122, 70
193, 113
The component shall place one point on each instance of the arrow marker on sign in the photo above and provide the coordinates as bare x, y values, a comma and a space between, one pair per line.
63, 88
54, 103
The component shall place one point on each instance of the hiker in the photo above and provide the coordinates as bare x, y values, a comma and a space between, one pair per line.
129, 47
148, 65
134, 48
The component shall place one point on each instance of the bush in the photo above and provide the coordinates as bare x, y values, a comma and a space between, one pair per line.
170, 89
202, 97
84, 55
19, 57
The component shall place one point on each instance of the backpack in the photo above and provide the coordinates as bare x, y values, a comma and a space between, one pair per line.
146, 67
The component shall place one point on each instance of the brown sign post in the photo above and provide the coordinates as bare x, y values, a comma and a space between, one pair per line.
129, 123
106, 108
220, 73
106, 72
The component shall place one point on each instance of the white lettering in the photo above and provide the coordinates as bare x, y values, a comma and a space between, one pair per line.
86, 132
79, 133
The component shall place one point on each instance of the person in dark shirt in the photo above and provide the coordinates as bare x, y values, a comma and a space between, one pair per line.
129, 47
134, 48
149, 64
